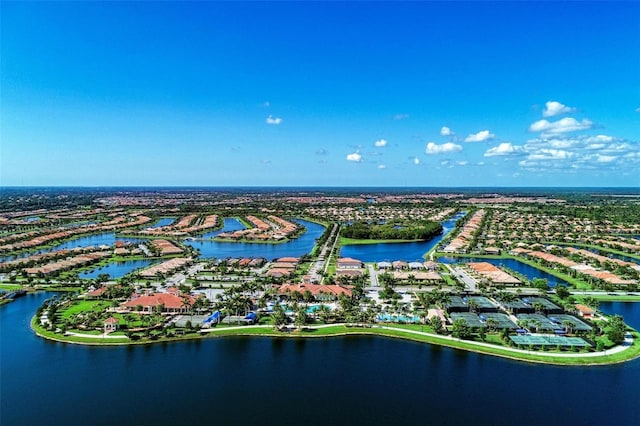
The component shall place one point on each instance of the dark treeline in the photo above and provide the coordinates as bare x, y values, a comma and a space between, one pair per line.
416, 230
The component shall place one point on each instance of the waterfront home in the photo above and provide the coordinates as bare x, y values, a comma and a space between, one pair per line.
349, 263
585, 311
320, 292
384, 265
168, 302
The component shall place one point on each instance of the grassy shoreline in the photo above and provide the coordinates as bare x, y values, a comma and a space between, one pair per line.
342, 330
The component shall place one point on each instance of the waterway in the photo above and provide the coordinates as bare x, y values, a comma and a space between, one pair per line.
221, 250
106, 238
163, 221
117, 269
522, 268
409, 252
337, 381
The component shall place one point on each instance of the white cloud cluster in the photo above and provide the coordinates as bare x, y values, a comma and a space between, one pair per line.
273, 120
481, 136
564, 125
380, 143
356, 157
581, 152
505, 148
433, 148
382, 166
398, 117
445, 131
553, 108
416, 160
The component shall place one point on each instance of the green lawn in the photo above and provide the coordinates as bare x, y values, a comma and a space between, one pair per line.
85, 306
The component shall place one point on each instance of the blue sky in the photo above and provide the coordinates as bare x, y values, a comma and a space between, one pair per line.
320, 93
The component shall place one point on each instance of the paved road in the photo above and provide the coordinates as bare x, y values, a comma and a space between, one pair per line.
321, 263
462, 275
627, 342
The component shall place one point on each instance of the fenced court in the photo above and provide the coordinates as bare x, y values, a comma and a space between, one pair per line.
539, 322
503, 321
471, 319
549, 341
577, 325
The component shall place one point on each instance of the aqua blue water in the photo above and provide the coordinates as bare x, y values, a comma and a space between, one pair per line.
230, 224
107, 238
522, 268
117, 269
409, 252
298, 247
164, 221
398, 318
322, 381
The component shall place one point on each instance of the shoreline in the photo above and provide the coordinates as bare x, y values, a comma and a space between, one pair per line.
343, 330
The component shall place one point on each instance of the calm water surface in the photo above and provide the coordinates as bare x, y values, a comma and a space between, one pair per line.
118, 269
298, 247
522, 268
342, 381
398, 251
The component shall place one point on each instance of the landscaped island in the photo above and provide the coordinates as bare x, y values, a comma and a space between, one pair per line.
417, 230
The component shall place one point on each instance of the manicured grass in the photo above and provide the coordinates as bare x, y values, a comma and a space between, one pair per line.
85, 306
396, 331
610, 298
10, 287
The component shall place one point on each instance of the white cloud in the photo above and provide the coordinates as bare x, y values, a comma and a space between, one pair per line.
355, 157
505, 148
400, 116
481, 136
638, 109
321, 151
382, 166
433, 148
380, 143
605, 158
567, 124
445, 131
553, 108
416, 160
462, 163
273, 120
550, 154
599, 138
266, 104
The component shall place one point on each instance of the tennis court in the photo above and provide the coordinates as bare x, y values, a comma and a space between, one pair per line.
502, 320
577, 324
471, 319
549, 340
539, 322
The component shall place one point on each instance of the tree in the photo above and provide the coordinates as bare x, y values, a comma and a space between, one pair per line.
279, 316
436, 323
492, 324
562, 292
541, 284
592, 302
616, 329
460, 329
301, 317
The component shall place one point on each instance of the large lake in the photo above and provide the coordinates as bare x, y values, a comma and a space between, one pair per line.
337, 381
522, 268
220, 250
398, 251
